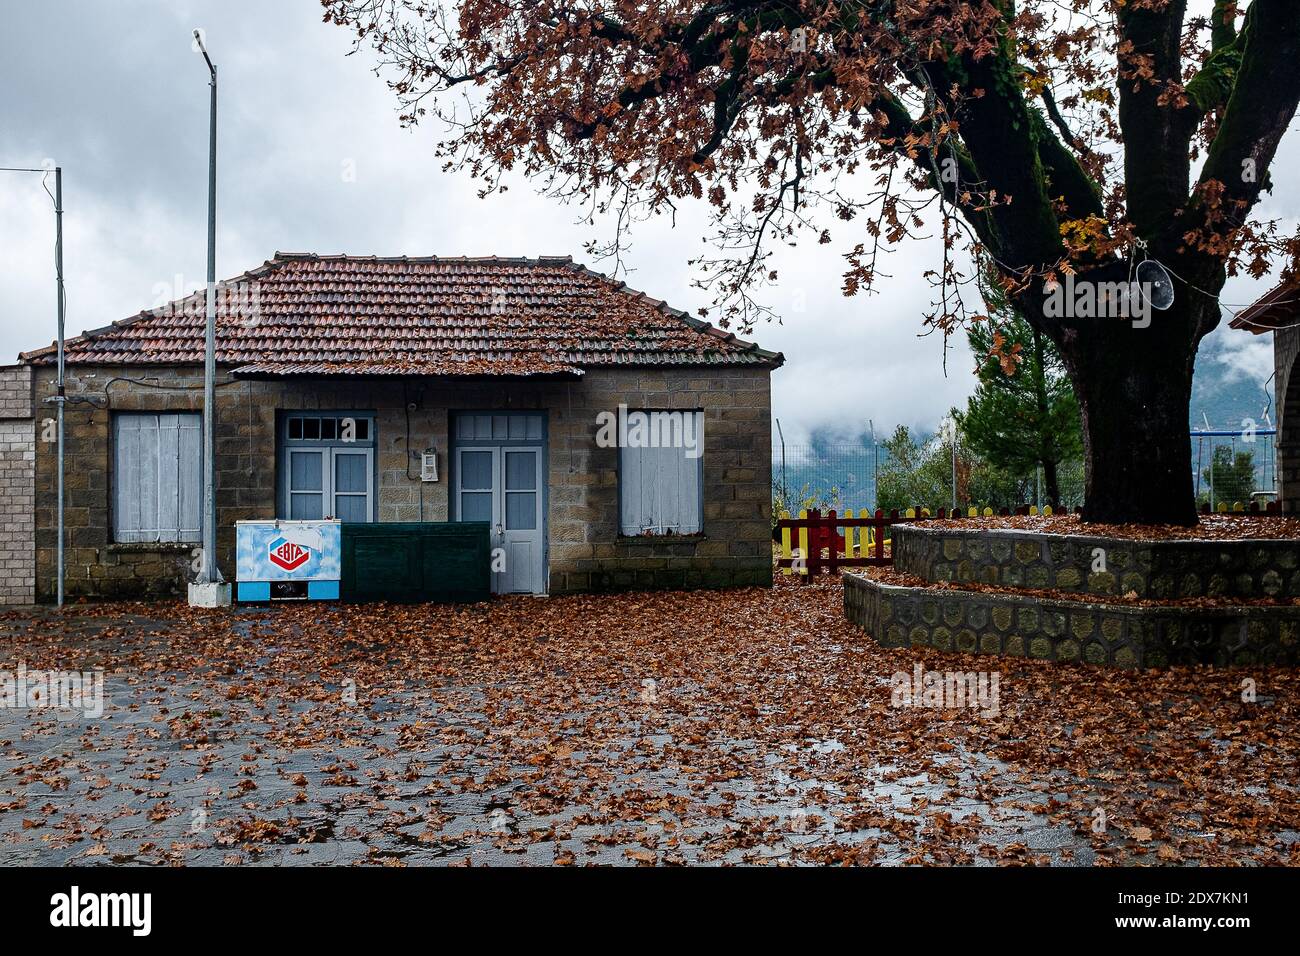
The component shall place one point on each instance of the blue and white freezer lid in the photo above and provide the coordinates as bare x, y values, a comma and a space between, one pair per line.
288, 550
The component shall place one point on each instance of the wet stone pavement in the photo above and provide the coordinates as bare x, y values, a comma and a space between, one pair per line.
261, 751
135, 797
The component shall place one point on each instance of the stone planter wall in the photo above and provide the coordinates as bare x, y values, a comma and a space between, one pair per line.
1071, 630
1151, 569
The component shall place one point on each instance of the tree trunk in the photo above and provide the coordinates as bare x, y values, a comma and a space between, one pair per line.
1134, 387
1040, 400
1051, 483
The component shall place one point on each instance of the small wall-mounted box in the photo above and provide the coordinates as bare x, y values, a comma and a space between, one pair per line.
429, 466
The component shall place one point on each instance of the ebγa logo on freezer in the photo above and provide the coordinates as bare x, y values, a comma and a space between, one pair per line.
287, 555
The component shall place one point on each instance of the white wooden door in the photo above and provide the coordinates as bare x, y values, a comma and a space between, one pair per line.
503, 486
521, 527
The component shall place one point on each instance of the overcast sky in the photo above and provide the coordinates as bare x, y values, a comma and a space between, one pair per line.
312, 159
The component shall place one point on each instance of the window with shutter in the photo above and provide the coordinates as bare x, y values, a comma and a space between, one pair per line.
156, 477
660, 473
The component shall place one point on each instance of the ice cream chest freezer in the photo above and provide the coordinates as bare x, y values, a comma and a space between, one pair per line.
288, 560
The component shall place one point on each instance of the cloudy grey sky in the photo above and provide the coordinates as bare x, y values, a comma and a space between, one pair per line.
312, 159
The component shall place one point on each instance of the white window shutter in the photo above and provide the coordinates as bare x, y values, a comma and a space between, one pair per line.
630, 510
190, 491
126, 479
659, 488
688, 482
156, 477
169, 473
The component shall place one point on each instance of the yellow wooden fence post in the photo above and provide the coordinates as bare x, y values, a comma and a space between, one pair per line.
803, 542
785, 542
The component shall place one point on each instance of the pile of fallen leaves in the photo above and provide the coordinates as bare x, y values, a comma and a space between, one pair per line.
733, 726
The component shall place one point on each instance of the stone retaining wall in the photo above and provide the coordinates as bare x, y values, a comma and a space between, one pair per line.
1065, 630
1150, 569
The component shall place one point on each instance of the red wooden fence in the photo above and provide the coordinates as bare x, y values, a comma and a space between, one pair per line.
826, 546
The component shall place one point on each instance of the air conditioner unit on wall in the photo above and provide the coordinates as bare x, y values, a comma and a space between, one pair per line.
429, 466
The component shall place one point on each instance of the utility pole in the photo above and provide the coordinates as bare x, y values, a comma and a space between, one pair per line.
785, 491
1206, 418
60, 397
875, 468
209, 590
59, 394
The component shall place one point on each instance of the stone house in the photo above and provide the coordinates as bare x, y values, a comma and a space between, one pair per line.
400, 389
1278, 312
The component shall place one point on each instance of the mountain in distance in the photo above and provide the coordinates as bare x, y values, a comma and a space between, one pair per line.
1231, 385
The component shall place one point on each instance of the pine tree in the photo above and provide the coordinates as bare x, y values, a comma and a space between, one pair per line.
1023, 413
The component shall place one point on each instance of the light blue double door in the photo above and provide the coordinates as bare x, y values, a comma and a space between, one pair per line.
502, 485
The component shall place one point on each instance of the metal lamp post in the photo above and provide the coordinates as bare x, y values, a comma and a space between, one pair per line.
875, 467
209, 589
785, 489
60, 398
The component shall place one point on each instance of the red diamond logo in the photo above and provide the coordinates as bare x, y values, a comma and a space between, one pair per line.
287, 555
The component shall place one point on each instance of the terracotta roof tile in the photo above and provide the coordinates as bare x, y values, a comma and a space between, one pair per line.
303, 314
469, 367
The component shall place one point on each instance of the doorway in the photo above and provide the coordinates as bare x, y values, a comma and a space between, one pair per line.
327, 466
498, 464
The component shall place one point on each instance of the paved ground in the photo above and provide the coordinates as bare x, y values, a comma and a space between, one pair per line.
735, 727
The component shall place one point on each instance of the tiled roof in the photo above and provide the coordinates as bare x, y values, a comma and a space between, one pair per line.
302, 314
1275, 309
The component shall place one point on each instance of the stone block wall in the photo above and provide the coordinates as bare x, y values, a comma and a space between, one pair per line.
17, 487
1286, 346
1013, 625
1148, 569
585, 549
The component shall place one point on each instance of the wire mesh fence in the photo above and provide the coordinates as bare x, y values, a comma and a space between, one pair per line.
826, 476
844, 475
1227, 467
1234, 466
